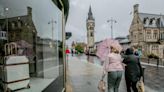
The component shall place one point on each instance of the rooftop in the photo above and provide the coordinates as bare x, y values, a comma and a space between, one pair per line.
152, 20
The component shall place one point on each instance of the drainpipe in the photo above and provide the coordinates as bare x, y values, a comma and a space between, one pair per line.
63, 37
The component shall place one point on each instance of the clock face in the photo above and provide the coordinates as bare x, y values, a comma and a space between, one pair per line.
91, 24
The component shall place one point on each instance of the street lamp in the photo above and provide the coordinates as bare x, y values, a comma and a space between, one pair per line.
6, 16
52, 22
111, 21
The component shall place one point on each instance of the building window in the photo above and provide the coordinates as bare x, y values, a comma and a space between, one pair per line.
158, 22
151, 22
155, 47
148, 33
162, 36
13, 25
2, 34
163, 53
145, 20
140, 36
91, 34
135, 37
5, 35
155, 34
131, 36
19, 24
91, 28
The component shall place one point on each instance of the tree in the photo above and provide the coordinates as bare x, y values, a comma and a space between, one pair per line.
79, 48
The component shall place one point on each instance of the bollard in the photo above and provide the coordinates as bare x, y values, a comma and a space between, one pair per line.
143, 69
157, 62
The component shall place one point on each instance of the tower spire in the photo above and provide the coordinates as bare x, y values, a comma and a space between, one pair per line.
90, 16
90, 10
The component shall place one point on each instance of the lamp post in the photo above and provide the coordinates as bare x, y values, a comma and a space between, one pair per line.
111, 21
6, 16
52, 22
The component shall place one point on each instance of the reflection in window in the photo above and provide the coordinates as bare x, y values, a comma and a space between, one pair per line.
19, 24
13, 25
38, 63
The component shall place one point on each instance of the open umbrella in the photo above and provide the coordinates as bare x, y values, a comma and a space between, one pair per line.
103, 48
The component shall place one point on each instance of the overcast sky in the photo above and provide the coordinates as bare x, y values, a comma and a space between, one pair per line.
104, 10
45, 10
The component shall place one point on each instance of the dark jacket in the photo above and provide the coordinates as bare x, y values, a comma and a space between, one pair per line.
133, 70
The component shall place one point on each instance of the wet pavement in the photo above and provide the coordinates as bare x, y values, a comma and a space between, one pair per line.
154, 78
85, 72
83, 76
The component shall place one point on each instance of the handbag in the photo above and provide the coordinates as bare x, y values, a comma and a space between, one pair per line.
140, 86
102, 83
102, 86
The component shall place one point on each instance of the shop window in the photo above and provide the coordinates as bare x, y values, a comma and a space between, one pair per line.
34, 62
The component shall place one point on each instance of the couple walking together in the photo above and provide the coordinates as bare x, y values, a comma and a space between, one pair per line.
115, 64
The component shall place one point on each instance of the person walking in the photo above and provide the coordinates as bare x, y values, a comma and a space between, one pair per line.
72, 51
114, 69
133, 70
67, 51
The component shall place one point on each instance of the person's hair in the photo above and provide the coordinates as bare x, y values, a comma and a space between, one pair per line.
129, 51
114, 50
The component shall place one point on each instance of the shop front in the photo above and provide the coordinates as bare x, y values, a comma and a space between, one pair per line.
32, 58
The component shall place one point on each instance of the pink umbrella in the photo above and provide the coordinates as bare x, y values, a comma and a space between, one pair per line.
103, 48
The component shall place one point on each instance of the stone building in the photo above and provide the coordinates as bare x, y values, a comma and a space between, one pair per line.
147, 32
20, 28
90, 31
124, 42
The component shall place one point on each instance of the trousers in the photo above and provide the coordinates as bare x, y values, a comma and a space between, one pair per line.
114, 79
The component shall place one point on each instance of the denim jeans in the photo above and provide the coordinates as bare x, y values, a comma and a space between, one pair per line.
114, 79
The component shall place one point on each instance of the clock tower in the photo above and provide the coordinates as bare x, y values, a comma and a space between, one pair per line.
90, 31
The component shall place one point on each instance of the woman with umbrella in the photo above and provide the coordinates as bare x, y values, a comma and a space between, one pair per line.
112, 65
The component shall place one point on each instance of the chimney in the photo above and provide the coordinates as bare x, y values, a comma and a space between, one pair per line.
29, 10
136, 8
